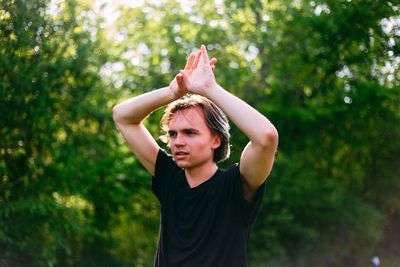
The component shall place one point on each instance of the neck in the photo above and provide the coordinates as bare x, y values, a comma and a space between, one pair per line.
198, 175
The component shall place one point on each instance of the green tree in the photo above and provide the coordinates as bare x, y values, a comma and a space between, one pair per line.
325, 72
62, 191
317, 69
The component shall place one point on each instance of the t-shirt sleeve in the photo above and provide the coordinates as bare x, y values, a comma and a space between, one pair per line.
247, 211
164, 169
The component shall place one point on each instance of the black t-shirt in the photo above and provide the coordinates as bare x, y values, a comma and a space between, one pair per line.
208, 225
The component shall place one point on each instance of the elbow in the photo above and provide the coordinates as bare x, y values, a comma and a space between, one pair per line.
270, 138
121, 116
115, 113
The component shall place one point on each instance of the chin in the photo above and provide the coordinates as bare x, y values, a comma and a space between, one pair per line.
182, 164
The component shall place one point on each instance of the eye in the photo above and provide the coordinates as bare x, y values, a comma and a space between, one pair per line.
171, 134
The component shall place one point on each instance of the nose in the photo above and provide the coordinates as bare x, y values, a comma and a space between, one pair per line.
179, 140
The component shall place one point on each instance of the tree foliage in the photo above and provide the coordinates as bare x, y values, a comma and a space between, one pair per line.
61, 197
325, 72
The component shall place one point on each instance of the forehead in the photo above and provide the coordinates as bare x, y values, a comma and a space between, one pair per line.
188, 118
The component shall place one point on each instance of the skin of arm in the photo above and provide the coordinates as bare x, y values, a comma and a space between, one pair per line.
129, 115
258, 156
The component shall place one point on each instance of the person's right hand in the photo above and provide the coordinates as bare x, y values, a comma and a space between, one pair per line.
178, 86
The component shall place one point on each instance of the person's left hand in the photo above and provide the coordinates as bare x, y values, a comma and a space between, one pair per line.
178, 85
198, 76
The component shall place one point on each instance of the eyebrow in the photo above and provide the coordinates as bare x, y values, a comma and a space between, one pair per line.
190, 130
184, 130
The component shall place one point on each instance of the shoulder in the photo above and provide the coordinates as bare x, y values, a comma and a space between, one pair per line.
164, 161
165, 166
165, 173
233, 176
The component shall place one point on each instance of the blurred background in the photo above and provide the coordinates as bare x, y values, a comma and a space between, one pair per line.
326, 73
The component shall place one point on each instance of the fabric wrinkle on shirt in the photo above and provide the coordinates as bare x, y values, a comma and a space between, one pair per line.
207, 225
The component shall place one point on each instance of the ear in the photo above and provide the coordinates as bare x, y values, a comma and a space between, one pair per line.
216, 142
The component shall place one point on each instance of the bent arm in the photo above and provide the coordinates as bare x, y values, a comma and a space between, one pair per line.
258, 156
129, 116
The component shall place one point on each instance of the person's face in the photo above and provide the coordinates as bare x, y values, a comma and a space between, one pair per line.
191, 141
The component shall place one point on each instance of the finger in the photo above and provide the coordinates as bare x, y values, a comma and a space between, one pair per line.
213, 68
179, 78
184, 77
189, 61
204, 54
213, 61
197, 59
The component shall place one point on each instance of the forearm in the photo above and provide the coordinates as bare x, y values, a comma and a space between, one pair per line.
252, 123
134, 110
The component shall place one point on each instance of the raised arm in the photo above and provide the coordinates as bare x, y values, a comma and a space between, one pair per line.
258, 156
129, 115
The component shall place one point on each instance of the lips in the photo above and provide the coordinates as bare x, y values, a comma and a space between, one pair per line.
180, 154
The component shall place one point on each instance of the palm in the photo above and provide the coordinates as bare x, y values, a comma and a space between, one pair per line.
199, 76
196, 67
200, 79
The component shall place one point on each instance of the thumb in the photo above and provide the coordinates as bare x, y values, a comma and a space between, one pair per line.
179, 78
184, 77
182, 80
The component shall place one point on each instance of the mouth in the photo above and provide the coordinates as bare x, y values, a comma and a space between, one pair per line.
180, 154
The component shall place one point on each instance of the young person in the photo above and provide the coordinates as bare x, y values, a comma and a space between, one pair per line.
206, 213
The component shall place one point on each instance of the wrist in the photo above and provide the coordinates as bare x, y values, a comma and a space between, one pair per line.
172, 94
212, 90
175, 94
